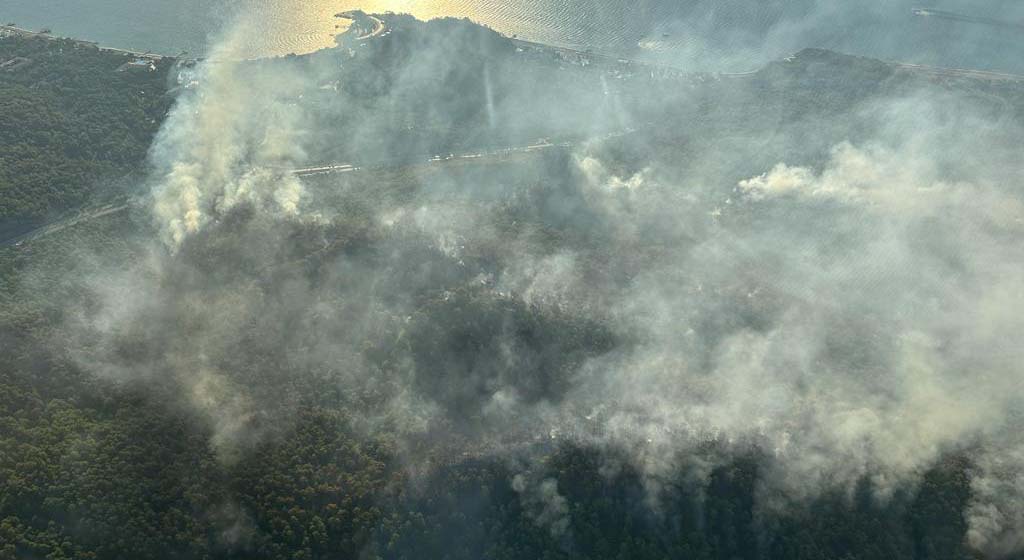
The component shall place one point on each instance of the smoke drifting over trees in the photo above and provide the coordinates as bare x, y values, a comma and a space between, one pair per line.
815, 270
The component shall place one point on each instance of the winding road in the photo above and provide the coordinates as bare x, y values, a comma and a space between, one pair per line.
85, 214
68, 220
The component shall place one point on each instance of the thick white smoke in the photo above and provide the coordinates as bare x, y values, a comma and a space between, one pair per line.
230, 140
852, 319
877, 347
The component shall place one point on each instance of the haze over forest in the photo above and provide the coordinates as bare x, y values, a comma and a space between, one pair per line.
435, 292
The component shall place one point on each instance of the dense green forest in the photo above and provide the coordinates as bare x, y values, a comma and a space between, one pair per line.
105, 454
70, 125
95, 468
91, 468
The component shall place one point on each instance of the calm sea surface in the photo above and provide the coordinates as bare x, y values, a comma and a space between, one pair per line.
726, 35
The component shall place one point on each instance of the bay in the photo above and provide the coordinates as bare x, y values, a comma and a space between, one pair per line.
721, 35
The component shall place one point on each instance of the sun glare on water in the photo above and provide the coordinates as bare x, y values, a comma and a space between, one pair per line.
282, 27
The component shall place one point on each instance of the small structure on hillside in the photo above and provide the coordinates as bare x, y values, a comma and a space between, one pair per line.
15, 63
138, 65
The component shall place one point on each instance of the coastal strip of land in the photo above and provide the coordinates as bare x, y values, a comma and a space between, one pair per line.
13, 31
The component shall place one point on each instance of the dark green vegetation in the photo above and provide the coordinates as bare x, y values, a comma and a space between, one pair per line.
102, 455
93, 468
70, 125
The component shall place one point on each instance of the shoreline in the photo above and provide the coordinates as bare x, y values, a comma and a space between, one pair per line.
379, 27
568, 53
14, 31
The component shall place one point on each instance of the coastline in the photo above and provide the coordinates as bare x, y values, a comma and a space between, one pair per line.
14, 31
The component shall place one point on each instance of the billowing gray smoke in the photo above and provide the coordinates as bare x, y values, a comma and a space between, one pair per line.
844, 298
223, 143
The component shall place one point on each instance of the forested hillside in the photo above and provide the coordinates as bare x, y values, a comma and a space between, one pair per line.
718, 317
100, 468
70, 124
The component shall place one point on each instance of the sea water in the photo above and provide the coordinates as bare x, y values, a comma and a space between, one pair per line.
722, 35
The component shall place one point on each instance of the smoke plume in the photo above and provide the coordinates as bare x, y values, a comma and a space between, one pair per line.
847, 303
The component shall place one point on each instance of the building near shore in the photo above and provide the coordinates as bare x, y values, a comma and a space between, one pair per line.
140, 65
